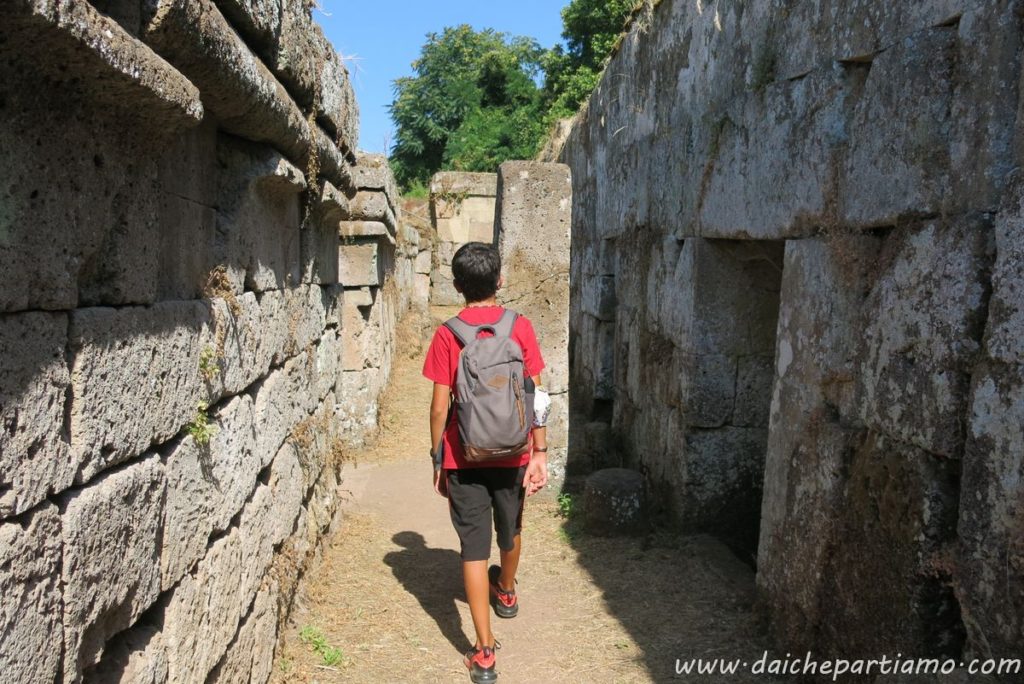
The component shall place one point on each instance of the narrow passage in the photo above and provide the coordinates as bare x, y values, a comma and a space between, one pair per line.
386, 602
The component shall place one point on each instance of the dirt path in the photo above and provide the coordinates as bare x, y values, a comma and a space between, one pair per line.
386, 604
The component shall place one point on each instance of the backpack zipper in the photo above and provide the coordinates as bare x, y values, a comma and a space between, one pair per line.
518, 391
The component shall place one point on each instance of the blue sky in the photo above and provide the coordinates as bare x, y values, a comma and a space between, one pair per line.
385, 36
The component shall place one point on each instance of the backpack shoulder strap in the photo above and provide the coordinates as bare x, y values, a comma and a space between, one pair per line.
505, 324
463, 331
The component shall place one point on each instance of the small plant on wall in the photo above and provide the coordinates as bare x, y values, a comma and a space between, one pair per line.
200, 428
447, 200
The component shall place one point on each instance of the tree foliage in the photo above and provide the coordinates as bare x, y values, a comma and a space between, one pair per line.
474, 100
590, 29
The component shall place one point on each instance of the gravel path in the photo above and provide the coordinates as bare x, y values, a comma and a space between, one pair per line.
386, 603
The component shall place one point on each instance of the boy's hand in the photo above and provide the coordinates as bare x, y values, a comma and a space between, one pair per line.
536, 473
440, 482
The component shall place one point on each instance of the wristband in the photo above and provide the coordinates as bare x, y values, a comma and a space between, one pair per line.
541, 407
543, 451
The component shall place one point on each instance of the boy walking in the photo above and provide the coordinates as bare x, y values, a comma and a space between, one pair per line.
489, 454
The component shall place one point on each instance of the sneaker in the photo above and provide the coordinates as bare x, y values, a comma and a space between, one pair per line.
506, 604
480, 663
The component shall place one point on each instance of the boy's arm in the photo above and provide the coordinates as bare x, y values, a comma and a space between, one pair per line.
438, 414
438, 417
537, 472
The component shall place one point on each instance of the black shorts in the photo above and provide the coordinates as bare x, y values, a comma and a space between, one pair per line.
474, 495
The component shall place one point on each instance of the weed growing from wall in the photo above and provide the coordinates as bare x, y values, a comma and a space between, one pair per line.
200, 428
209, 364
447, 199
218, 284
316, 441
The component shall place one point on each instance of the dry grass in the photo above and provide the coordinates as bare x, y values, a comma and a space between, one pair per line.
405, 402
218, 284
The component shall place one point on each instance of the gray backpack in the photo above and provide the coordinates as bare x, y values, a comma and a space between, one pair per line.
492, 405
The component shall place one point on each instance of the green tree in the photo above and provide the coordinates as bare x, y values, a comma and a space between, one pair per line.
472, 103
590, 29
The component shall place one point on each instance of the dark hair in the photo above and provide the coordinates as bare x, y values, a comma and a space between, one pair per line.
476, 268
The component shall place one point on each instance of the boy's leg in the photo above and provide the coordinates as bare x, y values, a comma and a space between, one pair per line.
470, 507
509, 498
510, 564
478, 594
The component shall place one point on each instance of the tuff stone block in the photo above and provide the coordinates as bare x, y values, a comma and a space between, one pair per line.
364, 346
135, 656
599, 297
708, 391
719, 478
250, 657
34, 380
991, 555
613, 502
532, 219
991, 512
195, 37
423, 262
754, 376
283, 399
365, 229
202, 612
920, 336
773, 158
31, 619
100, 246
320, 237
258, 20
334, 299
258, 217
359, 264
373, 206
898, 161
421, 290
134, 379
813, 425
110, 570
185, 230
888, 588
207, 484
287, 488
255, 331
105, 54
373, 172
357, 395
304, 60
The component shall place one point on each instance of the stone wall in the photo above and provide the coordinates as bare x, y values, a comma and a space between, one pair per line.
532, 221
796, 269
416, 214
462, 210
200, 281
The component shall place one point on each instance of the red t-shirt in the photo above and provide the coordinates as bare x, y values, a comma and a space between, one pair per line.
442, 365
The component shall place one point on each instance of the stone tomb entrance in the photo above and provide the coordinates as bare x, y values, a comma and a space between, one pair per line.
679, 383
725, 371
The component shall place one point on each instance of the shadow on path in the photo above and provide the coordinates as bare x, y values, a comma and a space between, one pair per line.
679, 597
434, 577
